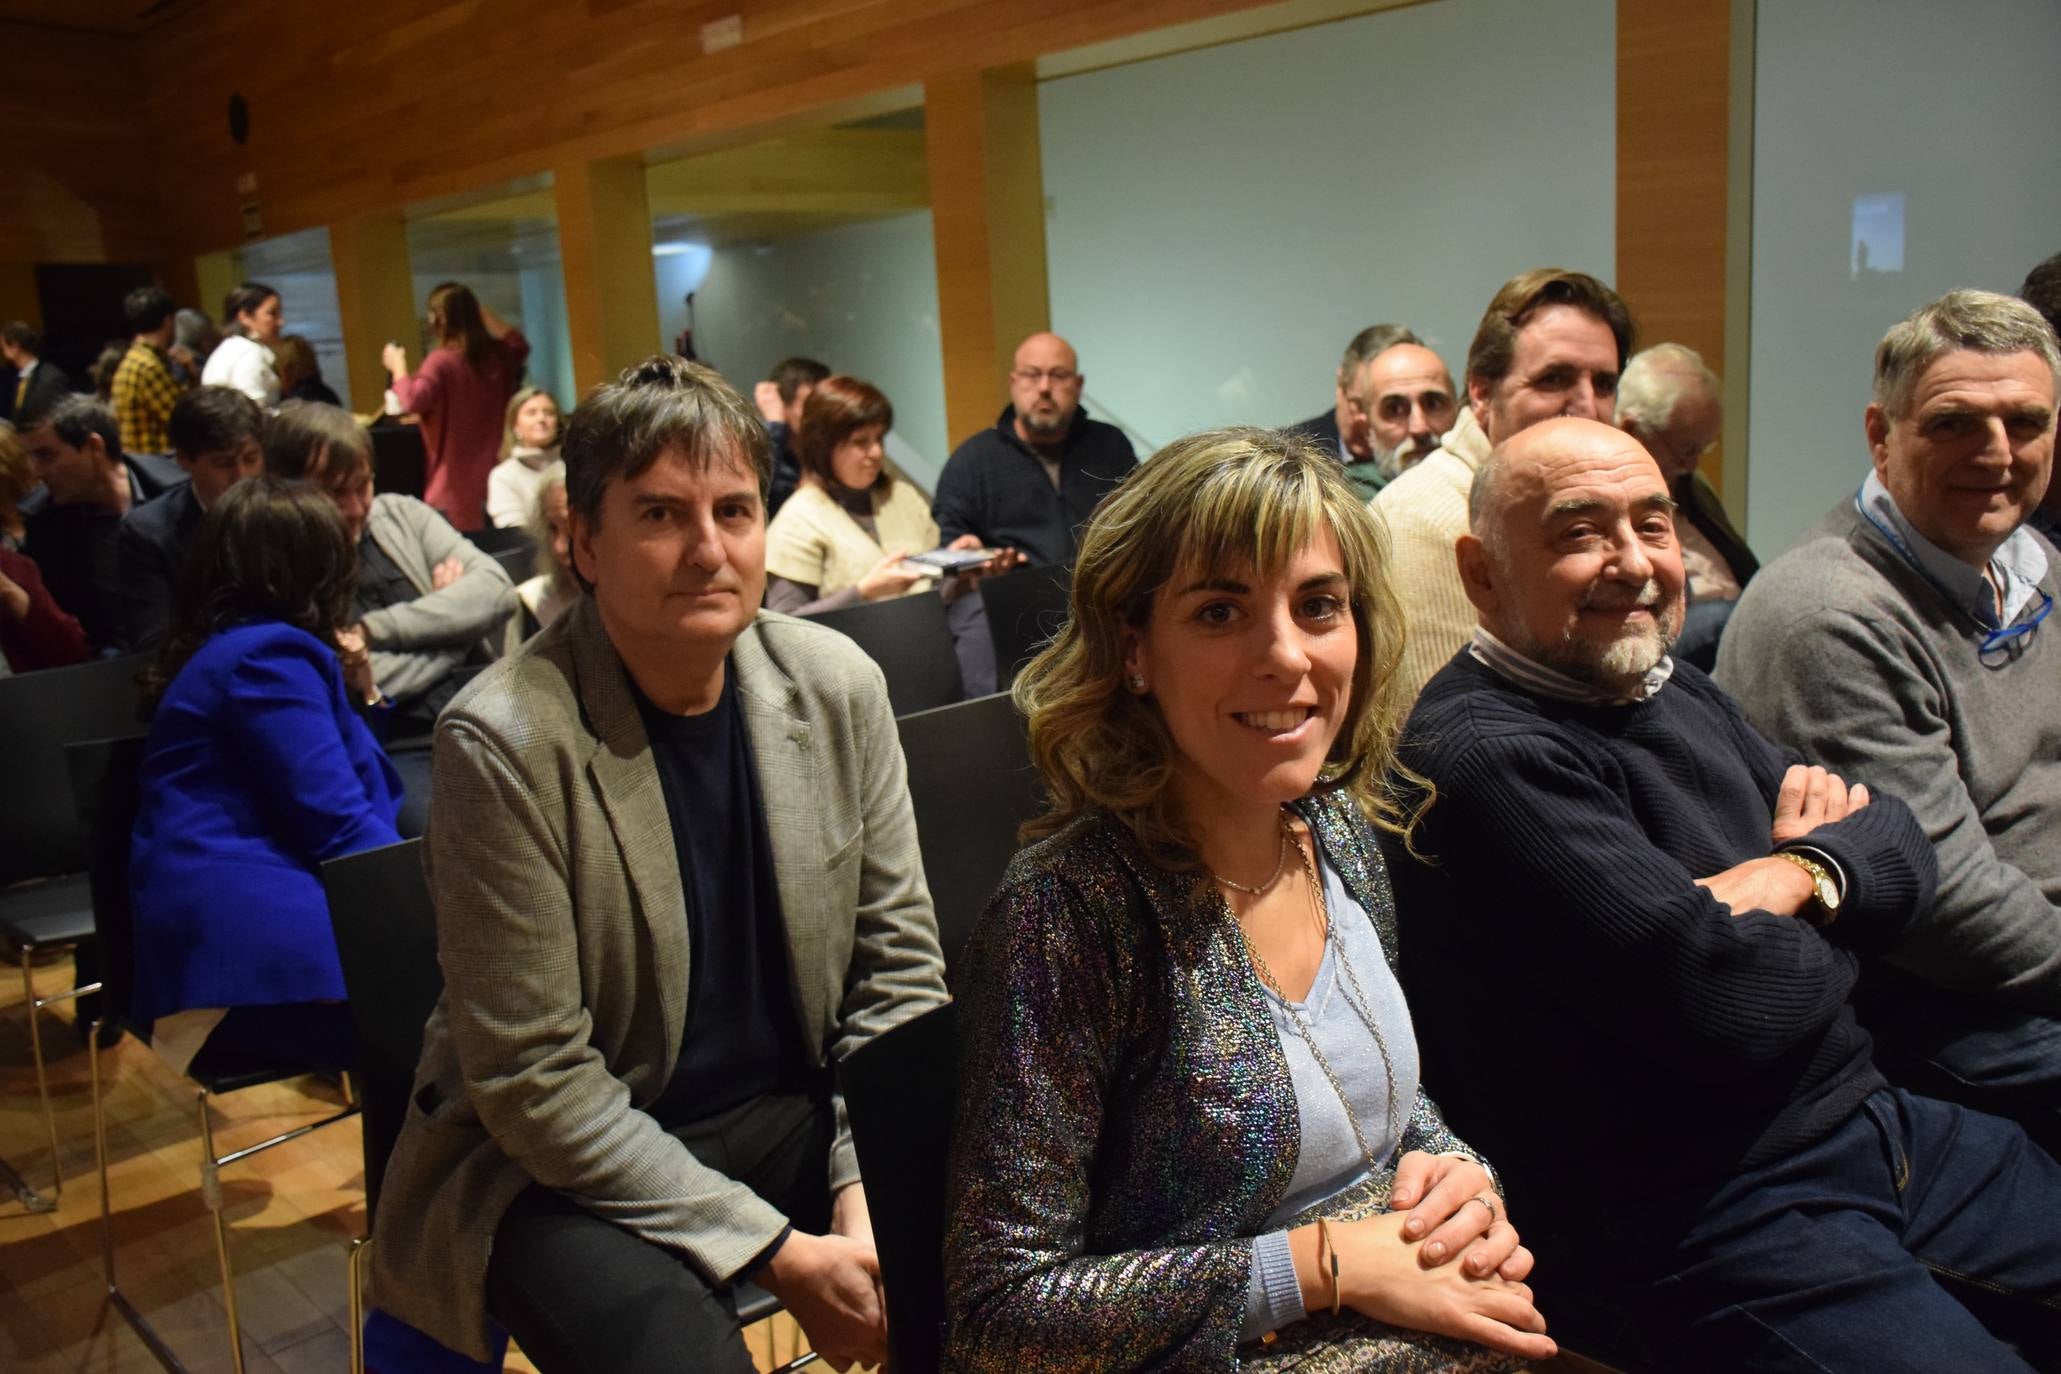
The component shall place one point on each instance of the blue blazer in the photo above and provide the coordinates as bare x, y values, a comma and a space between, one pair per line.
256, 770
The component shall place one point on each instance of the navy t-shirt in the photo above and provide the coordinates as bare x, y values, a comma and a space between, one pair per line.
743, 1037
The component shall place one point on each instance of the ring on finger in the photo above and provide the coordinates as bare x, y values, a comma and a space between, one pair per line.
1485, 1200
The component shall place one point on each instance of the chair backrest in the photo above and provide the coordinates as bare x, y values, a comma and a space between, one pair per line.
900, 1092
400, 460
386, 941
499, 539
908, 637
971, 780
1025, 610
519, 561
41, 713
103, 783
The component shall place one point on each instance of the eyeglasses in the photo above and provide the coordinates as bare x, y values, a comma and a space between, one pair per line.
1995, 640
1034, 376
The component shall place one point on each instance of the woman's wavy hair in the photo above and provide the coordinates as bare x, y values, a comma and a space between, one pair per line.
455, 319
270, 549
1223, 499
837, 408
522, 397
248, 296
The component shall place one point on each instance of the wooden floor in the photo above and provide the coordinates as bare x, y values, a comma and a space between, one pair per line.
292, 1210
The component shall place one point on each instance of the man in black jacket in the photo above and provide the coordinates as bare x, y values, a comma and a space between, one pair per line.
1632, 929
75, 450
217, 436
1031, 482
34, 385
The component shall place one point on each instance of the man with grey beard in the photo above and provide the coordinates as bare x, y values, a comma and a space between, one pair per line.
1633, 928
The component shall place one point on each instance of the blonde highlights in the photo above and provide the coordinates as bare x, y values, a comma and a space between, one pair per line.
1220, 500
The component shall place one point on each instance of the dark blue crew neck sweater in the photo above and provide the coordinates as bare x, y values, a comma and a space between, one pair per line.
1599, 1024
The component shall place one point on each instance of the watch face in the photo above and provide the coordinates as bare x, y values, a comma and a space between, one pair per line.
1828, 893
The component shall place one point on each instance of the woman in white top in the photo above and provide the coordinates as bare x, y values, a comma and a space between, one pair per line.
252, 319
529, 457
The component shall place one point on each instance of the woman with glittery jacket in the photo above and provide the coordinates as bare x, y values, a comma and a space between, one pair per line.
1191, 1134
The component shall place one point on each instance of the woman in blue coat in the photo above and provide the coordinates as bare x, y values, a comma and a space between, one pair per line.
258, 768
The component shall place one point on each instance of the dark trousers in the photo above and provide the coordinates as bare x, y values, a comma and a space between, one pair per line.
1907, 1242
581, 1294
315, 1035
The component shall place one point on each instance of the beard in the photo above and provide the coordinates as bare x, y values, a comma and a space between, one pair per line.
1392, 461
1047, 425
1617, 665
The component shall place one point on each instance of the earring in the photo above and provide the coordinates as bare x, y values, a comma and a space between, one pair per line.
1137, 682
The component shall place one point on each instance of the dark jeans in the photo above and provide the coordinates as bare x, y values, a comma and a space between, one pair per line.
1907, 1241
2002, 1060
581, 1294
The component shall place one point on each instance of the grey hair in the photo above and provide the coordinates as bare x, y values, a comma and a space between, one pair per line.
1374, 339
1979, 321
1655, 381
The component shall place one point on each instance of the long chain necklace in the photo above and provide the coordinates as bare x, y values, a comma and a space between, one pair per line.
1321, 907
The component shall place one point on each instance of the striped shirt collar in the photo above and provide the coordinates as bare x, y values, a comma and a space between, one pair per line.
1535, 677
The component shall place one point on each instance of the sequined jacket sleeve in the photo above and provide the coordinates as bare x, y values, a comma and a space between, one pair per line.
1053, 1008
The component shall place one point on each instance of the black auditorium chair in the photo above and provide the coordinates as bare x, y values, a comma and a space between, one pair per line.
908, 637
46, 902
400, 461
1025, 610
900, 1092
971, 780
386, 942
104, 781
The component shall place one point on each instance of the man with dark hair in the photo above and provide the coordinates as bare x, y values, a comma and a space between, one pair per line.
779, 400
217, 435
144, 389
1552, 342
1634, 927
89, 484
2042, 291
35, 385
1032, 481
676, 879
1343, 428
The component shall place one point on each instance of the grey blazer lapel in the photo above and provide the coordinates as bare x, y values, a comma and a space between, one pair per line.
626, 780
783, 746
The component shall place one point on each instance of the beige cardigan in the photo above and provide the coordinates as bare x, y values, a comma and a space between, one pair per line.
815, 542
558, 898
1425, 510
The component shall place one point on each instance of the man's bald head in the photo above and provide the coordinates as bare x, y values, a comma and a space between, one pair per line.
1406, 395
1571, 557
1045, 387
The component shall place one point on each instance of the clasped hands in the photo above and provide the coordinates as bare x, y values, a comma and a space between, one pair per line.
1450, 1264
1808, 798
831, 1285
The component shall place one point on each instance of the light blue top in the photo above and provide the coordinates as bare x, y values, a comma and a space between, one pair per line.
1329, 1160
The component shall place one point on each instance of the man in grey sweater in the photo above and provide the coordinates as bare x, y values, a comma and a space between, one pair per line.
1902, 642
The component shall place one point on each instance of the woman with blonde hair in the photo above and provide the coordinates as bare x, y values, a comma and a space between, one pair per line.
529, 458
460, 393
1191, 1131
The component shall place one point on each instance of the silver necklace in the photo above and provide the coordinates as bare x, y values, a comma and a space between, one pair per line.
1280, 866
1358, 1000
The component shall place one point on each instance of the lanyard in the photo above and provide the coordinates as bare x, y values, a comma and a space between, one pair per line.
1993, 641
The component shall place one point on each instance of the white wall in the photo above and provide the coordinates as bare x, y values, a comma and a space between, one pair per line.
298, 267
861, 298
1220, 223
1946, 105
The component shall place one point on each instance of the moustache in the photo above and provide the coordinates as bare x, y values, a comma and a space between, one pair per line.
1598, 598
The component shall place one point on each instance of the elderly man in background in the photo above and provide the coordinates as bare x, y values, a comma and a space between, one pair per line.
1342, 430
1634, 927
1552, 342
1405, 393
1904, 639
1674, 406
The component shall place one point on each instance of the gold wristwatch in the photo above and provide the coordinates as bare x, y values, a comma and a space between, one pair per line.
1824, 887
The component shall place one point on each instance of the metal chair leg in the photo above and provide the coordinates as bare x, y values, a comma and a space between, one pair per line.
211, 1194
355, 1262
31, 1200
126, 1309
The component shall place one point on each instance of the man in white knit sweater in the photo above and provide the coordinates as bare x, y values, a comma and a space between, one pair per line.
1552, 342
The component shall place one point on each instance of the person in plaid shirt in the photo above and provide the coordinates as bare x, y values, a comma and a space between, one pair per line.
144, 389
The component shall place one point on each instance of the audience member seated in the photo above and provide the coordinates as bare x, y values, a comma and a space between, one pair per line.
257, 770
1903, 640
1552, 342
1192, 1118
780, 399
252, 318
36, 385
529, 458
1406, 392
300, 372
89, 484
35, 632
554, 588
461, 395
1342, 430
1632, 936
676, 878
2042, 291
1031, 482
217, 435
144, 390
430, 606
17, 480
1673, 405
